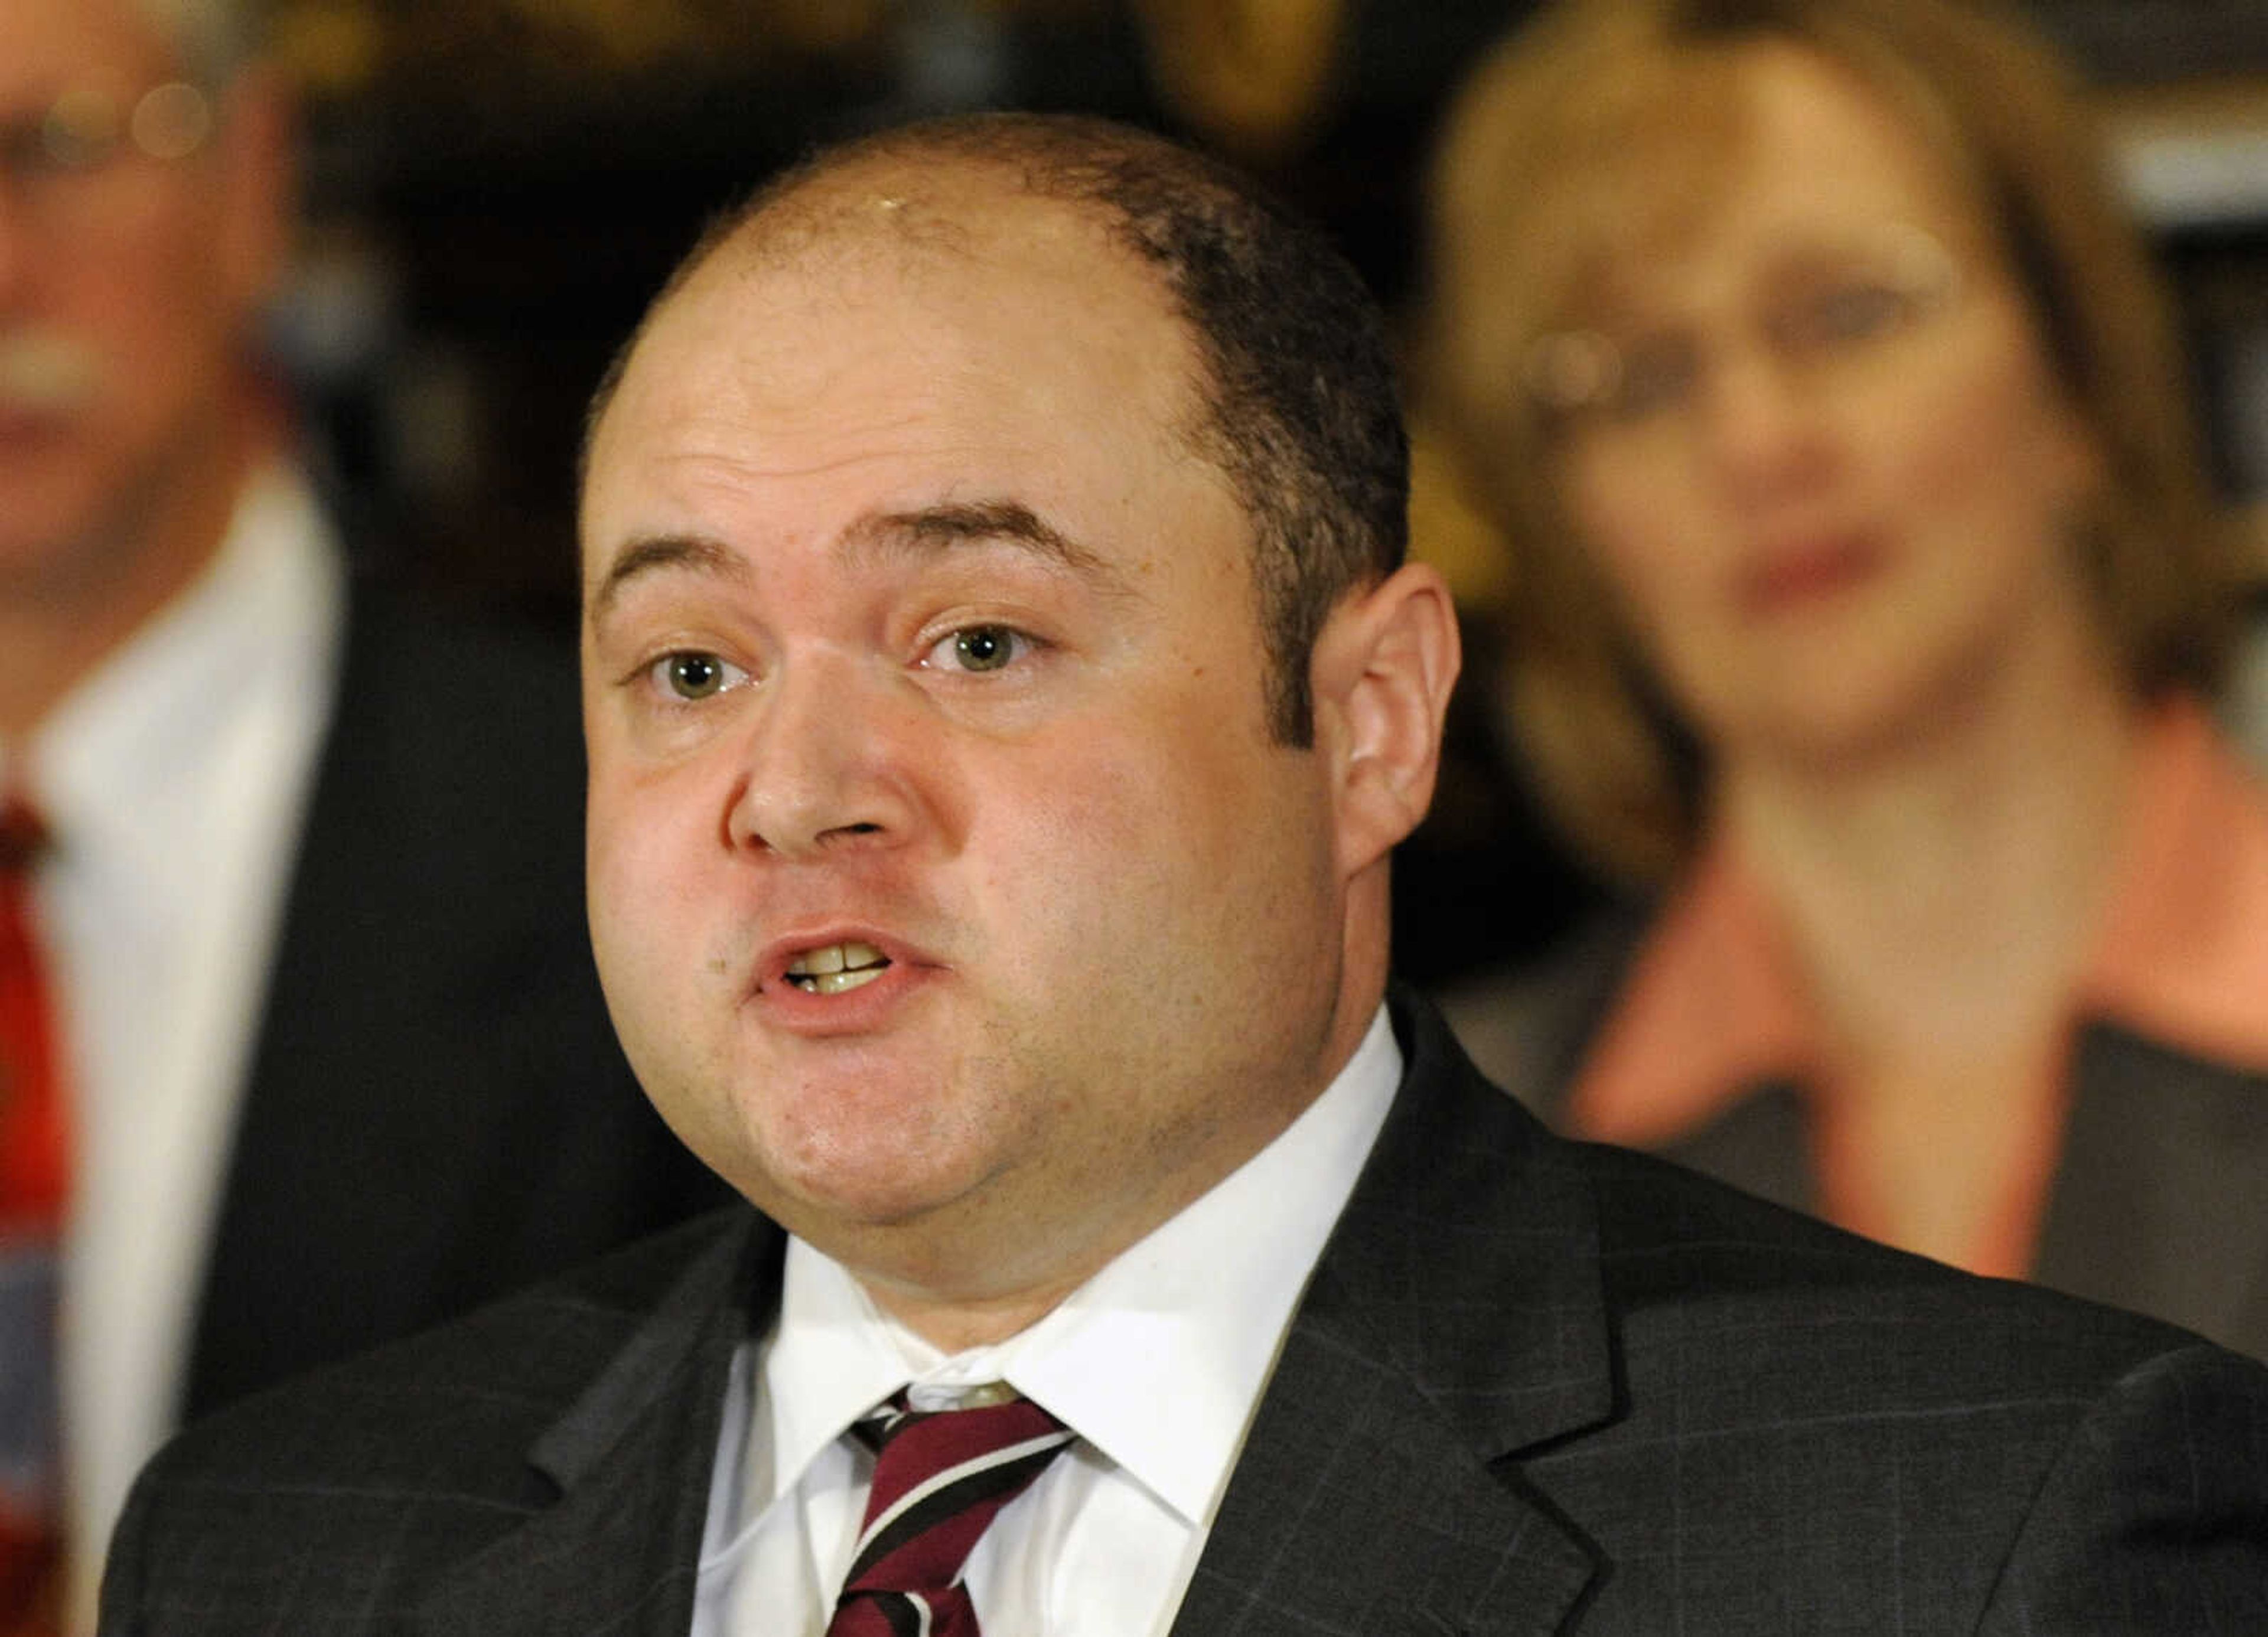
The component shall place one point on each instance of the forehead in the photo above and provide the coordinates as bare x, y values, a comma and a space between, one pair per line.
46, 45
906, 337
1741, 150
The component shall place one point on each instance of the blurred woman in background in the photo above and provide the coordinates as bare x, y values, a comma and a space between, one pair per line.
1868, 603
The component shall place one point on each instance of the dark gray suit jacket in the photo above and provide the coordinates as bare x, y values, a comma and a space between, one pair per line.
2159, 1199
436, 1109
1533, 1387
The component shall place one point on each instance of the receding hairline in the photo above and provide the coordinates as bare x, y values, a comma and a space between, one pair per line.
909, 210
921, 198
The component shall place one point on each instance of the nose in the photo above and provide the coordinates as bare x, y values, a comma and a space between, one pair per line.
1760, 427
831, 762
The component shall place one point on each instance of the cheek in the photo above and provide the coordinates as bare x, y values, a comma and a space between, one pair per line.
640, 868
1060, 842
151, 309
1645, 543
161, 264
1992, 459
1117, 843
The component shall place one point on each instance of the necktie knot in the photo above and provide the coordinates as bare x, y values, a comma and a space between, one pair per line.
940, 1477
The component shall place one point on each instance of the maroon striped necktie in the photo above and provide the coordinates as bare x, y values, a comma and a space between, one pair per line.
940, 1478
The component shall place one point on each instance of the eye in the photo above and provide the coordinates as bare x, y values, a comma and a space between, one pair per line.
1846, 314
693, 675
979, 648
77, 135
1654, 376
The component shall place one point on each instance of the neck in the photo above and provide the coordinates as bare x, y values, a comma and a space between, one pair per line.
956, 1324
147, 545
1942, 894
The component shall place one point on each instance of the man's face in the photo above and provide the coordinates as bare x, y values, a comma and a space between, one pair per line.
951, 897
125, 285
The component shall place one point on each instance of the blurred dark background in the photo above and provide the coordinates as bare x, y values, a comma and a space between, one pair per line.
494, 188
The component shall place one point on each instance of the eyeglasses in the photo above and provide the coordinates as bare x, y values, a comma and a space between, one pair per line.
86, 130
1825, 324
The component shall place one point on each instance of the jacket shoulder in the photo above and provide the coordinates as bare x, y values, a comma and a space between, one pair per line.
515, 1364
1792, 1402
375, 1472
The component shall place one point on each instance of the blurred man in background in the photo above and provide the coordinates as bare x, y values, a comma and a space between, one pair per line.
299, 1046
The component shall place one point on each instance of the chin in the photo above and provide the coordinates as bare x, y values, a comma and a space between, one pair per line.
1861, 724
855, 1217
860, 1160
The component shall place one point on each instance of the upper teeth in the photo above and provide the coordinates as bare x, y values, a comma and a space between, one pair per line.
837, 967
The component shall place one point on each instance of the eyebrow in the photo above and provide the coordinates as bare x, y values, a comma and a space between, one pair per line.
650, 554
921, 532
928, 529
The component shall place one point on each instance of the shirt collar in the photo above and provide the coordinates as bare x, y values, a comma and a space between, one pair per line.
2184, 956
1714, 1005
1157, 1361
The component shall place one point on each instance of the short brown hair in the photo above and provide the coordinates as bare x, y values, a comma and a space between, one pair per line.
1298, 406
1564, 136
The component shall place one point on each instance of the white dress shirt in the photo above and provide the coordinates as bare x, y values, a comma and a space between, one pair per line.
1157, 1363
173, 779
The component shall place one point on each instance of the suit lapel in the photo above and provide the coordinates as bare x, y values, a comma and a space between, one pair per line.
1454, 1320
619, 1552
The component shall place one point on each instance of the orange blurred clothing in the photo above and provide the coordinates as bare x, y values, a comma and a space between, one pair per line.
1715, 1008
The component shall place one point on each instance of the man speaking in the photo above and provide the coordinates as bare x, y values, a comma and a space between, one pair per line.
1003, 691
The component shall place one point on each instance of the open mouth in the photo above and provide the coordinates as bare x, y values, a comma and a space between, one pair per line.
837, 967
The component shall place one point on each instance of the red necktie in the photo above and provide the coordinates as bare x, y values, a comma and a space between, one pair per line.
938, 1480
34, 1186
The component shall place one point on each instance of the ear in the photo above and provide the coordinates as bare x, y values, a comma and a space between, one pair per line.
1383, 670
256, 134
